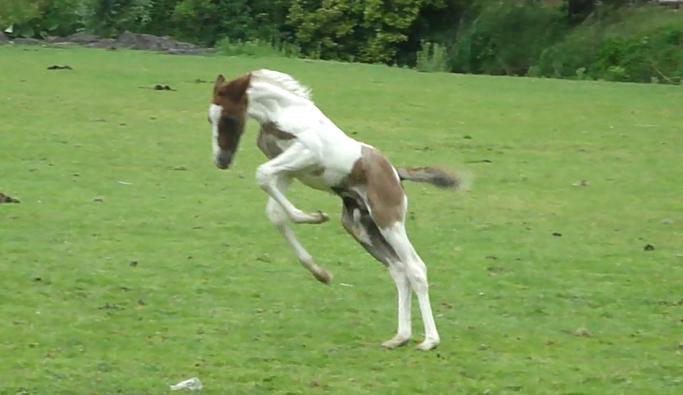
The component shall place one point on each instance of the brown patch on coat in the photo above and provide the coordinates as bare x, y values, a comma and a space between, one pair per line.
374, 242
272, 129
232, 97
267, 138
383, 190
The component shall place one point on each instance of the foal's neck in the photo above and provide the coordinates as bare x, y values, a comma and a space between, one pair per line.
266, 101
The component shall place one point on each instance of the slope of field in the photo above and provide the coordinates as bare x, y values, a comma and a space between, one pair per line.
132, 263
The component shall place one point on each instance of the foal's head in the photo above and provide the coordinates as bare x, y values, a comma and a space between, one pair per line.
228, 116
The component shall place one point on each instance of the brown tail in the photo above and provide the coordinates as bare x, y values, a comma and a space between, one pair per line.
431, 175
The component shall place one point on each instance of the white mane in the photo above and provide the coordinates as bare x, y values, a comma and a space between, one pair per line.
283, 81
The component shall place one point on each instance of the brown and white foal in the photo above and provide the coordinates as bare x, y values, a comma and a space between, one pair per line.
301, 143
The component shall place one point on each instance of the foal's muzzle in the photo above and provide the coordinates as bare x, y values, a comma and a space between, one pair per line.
223, 160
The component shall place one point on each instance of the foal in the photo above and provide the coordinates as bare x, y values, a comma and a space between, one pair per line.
301, 143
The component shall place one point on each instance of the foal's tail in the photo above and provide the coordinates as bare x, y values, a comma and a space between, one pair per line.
431, 175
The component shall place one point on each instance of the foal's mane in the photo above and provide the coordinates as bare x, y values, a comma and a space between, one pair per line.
283, 81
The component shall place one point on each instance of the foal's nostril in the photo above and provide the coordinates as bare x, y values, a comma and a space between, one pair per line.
222, 164
223, 160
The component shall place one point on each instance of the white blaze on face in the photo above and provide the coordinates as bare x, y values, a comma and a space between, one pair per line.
215, 112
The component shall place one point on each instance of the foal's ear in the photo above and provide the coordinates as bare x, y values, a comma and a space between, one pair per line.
220, 80
237, 88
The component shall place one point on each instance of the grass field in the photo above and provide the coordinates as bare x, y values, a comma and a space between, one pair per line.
132, 263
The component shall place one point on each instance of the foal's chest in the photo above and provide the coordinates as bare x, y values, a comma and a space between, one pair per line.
272, 141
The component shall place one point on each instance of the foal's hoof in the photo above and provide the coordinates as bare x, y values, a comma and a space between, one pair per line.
428, 344
323, 276
322, 217
397, 341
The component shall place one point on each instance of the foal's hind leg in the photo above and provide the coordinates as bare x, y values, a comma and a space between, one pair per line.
361, 226
416, 272
278, 218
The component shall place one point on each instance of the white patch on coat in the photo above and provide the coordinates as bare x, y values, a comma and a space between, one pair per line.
215, 113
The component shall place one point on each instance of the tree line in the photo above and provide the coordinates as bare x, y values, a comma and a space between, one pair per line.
616, 40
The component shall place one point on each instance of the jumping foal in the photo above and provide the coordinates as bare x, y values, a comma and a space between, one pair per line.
301, 143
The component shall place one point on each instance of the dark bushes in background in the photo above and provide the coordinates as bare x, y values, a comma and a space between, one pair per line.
40, 18
505, 37
642, 44
615, 40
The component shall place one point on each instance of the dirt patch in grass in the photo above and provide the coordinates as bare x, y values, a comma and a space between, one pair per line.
146, 42
7, 199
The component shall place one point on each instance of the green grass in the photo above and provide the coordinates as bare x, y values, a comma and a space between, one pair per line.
217, 294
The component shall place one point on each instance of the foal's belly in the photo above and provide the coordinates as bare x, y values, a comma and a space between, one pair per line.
323, 178
316, 180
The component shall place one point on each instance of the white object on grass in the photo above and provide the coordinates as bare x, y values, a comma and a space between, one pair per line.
192, 384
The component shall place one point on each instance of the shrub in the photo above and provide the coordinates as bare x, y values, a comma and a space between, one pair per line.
256, 48
432, 58
41, 18
574, 52
108, 18
207, 22
370, 31
159, 17
17, 11
326, 29
641, 44
502, 37
188, 12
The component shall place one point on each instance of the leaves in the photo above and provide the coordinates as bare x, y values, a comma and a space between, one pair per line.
368, 31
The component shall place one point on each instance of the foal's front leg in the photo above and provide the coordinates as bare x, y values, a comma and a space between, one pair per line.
277, 217
295, 158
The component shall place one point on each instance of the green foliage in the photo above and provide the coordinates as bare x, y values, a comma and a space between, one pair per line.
222, 18
270, 20
257, 49
501, 37
327, 29
580, 40
638, 45
108, 18
188, 13
18, 12
385, 24
641, 58
575, 51
41, 18
432, 57
159, 17
207, 21
61, 17
437, 22
369, 31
